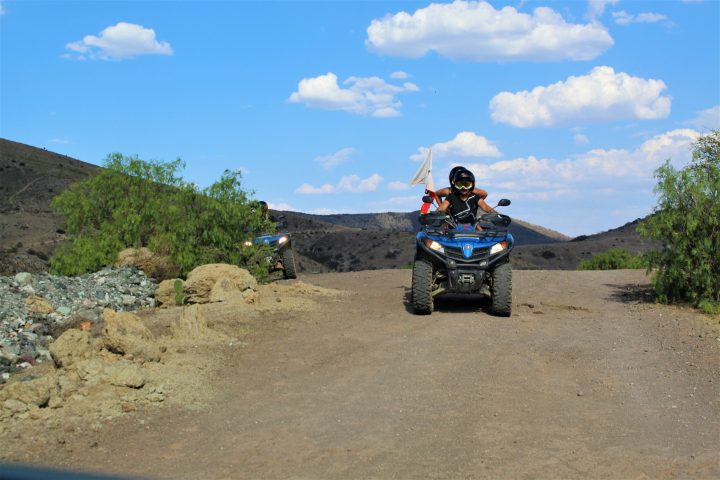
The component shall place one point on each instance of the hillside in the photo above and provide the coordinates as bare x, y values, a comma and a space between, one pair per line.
29, 231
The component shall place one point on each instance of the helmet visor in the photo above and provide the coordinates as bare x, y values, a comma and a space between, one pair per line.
464, 184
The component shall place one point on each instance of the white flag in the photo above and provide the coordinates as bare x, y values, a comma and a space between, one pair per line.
424, 174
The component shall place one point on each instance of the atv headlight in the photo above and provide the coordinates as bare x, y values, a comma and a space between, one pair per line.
498, 247
282, 240
247, 243
433, 245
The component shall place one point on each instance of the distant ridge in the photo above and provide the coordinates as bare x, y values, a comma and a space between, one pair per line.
29, 231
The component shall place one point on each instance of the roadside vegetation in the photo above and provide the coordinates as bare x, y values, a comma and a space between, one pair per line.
614, 259
686, 223
137, 203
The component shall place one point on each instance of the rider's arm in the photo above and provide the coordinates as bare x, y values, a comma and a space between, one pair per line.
480, 193
487, 208
443, 206
443, 192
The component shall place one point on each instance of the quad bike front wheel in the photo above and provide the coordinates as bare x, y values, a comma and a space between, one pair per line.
501, 291
422, 300
288, 261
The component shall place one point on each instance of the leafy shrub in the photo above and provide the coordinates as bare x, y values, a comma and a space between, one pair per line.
136, 203
686, 223
613, 259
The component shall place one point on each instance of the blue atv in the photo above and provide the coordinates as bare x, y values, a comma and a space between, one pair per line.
283, 257
463, 258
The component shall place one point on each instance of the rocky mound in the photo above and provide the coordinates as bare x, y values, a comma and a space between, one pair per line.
122, 361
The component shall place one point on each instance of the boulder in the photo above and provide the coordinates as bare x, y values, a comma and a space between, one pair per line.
165, 292
154, 265
125, 374
73, 345
224, 290
201, 280
34, 392
124, 333
38, 305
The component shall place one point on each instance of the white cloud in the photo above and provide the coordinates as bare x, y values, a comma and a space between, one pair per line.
285, 207
399, 75
580, 139
363, 95
397, 185
2, 8
602, 95
465, 144
349, 183
624, 18
708, 119
596, 8
60, 141
333, 160
124, 40
476, 31
532, 174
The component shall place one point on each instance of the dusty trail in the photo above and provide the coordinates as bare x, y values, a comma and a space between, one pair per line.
583, 381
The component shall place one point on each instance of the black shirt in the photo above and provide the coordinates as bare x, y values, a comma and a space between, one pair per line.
463, 211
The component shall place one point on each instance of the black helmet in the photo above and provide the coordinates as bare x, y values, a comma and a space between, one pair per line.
454, 171
463, 180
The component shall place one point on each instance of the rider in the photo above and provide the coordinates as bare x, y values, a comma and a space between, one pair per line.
463, 202
444, 192
265, 212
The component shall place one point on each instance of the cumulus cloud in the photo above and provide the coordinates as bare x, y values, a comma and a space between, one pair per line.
708, 119
602, 95
349, 183
580, 139
596, 166
331, 161
363, 95
476, 31
2, 8
398, 185
399, 75
624, 18
596, 8
121, 41
285, 207
465, 144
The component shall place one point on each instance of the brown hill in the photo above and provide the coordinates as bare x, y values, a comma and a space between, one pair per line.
29, 178
29, 231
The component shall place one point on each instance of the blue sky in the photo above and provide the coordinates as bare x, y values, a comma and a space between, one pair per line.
564, 107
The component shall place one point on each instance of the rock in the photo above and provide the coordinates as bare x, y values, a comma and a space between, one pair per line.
38, 305
64, 311
35, 392
91, 370
223, 290
23, 278
127, 299
200, 281
165, 293
192, 323
153, 265
125, 374
250, 296
73, 345
124, 333
14, 406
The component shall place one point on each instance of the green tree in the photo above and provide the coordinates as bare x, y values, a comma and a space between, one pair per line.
686, 223
137, 203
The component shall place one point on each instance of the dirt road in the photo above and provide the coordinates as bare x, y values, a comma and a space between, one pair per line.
585, 380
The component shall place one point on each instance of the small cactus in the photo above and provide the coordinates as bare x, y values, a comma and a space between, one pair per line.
179, 294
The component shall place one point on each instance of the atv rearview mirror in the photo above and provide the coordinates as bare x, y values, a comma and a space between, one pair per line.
504, 202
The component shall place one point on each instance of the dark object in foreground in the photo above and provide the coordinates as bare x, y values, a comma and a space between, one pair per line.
463, 258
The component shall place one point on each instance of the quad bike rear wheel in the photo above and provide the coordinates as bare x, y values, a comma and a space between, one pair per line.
422, 300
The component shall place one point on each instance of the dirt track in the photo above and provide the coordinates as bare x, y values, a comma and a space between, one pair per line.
585, 380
